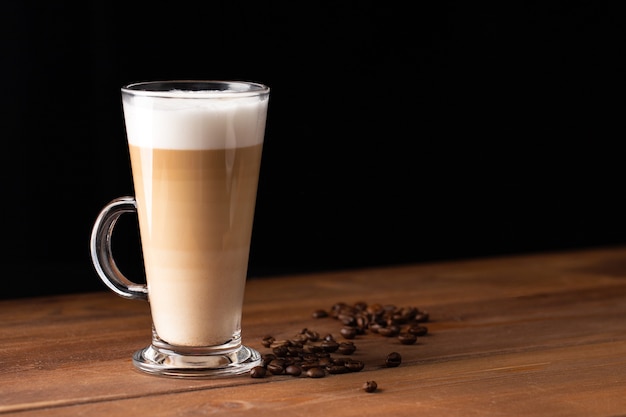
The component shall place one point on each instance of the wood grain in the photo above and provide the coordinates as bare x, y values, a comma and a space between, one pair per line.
541, 334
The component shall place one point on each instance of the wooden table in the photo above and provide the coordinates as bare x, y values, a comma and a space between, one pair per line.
540, 335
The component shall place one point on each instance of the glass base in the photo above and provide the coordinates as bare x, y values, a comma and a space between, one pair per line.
196, 362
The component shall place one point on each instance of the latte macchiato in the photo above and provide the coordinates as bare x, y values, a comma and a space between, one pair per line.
195, 169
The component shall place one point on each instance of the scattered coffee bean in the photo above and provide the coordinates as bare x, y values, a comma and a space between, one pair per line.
276, 367
422, 317
316, 372
390, 331
370, 386
318, 314
266, 359
311, 335
293, 370
337, 369
329, 346
393, 359
354, 366
258, 372
280, 351
348, 332
407, 338
309, 354
346, 348
306, 365
418, 330
267, 341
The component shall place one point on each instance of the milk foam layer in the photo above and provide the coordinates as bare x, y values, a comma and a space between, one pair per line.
204, 121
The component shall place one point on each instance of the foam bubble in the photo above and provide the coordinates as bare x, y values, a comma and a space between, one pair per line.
223, 121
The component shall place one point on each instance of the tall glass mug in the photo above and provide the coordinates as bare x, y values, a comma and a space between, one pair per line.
195, 152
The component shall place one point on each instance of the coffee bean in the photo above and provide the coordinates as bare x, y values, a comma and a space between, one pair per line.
374, 327
346, 348
309, 365
407, 338
354, 366
276, 367
316, 372
311, 335
319, 314
267, 358
337, 369
281, 351
389, 331
258, 372
300, 338
422, 317
325, 362
370, 386
267, 341
293, 370
418, 330
393, 359
348, 332
329, 346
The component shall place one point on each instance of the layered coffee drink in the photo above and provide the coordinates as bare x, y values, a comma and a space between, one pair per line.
195, 166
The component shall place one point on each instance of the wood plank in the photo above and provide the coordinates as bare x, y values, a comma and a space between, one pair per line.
543, 334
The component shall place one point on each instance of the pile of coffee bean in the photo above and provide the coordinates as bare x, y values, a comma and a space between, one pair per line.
306, 354
309, 354
404, 323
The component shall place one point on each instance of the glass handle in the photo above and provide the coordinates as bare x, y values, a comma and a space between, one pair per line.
102, 255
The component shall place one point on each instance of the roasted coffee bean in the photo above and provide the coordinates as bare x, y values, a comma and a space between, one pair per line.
407, 338
293, 370
389, 331
362, 322
320, 314
418, 330
339, 361
300, 338
329, 346
348, 332
354, 366
325, 362
370, 386
315, 349
337, 369
374, 327
308, 357
393, 359
306, 365
316, 372
294, 350
374, 309
276, 367
267, 341
280, 343
347, 320
311, 335
329, 337
258, 372
267, 358
422, 317
280, 351
346, 348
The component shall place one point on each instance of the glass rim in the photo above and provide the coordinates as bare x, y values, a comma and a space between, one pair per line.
195, 89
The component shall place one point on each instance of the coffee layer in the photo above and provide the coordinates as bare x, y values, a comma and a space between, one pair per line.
195, 212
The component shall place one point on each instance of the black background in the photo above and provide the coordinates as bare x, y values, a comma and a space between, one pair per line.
397, 132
